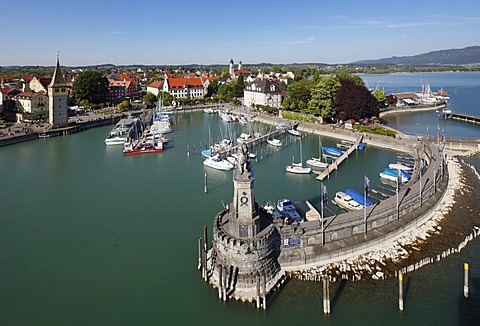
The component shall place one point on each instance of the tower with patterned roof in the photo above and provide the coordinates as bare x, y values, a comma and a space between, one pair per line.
58, 98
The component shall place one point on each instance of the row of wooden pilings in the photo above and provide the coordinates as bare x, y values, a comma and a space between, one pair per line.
223, 274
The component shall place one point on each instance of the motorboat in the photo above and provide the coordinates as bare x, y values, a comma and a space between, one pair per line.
294, 132
286, 208
145, 147
346, 202
275, 142
398, 166
358, 197
392, 177
394, 172
218, 163
271, 209
332, 151
243, 137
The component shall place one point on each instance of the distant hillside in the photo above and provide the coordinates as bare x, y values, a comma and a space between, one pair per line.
465, 56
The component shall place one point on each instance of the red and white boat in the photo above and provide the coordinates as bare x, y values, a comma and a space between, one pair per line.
146, 147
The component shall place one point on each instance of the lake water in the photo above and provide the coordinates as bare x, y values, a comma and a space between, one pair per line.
89, 236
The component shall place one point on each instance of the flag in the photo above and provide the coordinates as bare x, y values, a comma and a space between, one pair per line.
324, 195
367, 185
399, 179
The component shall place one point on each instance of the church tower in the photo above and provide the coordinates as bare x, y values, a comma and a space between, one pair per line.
240, 65
58, 99
230, 69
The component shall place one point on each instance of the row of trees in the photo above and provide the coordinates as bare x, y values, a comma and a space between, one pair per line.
341, 96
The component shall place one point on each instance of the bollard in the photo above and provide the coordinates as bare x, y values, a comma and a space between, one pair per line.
188, 150
465, 283
400, 291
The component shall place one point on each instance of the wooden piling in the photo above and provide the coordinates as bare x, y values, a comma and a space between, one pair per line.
199, 253
326, 296
400, 291
465, 282
205, 183
225, 283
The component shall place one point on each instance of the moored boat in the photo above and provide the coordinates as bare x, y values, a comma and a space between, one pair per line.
275, 142
358, 197
294, 132
218, 163
297, 168
346, 202
286, 208
332, 151
147, 147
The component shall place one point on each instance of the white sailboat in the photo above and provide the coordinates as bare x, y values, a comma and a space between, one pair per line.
317, 162
298, 168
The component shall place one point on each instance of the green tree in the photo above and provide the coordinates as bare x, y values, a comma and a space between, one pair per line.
212, 88
357, 80
380, 96
316, 78
167, 98
297, 92
123, 105
323, 97
149, 99
92, 86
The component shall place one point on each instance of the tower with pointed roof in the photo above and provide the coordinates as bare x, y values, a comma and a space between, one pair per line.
58, 98
230, 68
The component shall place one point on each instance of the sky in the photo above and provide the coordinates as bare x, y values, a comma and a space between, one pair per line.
180, 32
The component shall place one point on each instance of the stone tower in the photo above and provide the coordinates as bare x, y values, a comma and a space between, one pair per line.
58, 99
240, 65
246, 244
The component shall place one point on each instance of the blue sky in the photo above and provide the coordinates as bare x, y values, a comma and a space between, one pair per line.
180, 32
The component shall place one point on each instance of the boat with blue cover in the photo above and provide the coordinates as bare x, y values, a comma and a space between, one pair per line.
332, 151
358, 197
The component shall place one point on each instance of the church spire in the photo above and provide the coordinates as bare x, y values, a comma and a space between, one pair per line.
57, 78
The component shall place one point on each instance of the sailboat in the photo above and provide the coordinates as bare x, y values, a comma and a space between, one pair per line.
317, 162
298, 168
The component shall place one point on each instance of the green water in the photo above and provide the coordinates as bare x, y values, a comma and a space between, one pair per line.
89, 236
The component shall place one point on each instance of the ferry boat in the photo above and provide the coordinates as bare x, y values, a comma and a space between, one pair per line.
346, 202
119, 133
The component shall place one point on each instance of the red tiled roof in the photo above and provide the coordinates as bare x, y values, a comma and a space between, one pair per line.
156, 84
195, 82
6, 90
28, 95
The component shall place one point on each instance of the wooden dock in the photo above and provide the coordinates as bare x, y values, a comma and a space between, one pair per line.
256, 140
334, 165
462, 117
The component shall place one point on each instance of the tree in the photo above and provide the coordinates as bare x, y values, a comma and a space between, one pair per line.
92, 86
379, 96
297, 92
323, 97
149, 99
212, 88
357, 80
354, 101
167, 98
124, 105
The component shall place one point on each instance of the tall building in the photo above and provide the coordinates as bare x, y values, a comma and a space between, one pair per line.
58, 99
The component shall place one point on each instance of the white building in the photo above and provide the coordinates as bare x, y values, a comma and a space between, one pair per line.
185, 87
263, 92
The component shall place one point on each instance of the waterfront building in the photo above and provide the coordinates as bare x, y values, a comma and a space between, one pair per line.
58, 93
119, 90
155, 87
263, 92
33, 104
185, 87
